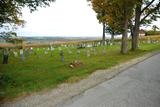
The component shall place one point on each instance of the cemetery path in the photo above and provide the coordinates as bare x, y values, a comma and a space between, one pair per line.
137, 86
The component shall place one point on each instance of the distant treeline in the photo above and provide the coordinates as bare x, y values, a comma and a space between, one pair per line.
152, 32
65, 39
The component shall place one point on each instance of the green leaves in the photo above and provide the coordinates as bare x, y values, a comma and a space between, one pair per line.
11, 10
112, 12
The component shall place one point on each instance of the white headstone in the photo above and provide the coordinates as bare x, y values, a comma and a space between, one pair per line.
46, 52
15, 54
78, 51
104, 51
88, 53
52, 49
22, 55
31, 50
89, 46
94, 51
21, 51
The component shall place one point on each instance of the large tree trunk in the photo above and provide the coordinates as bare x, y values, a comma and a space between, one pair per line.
135, 34
103, 38
124, 45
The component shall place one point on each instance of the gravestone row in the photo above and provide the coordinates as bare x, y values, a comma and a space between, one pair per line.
23, 53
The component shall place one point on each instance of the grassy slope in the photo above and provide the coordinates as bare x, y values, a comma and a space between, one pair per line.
37, 73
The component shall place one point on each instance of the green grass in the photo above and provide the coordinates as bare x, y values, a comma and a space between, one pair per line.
42, 71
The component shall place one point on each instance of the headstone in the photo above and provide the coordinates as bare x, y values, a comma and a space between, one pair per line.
26, 52
65, 46
89, 46
52, 49
99, 43
15, 54
31, 50
94, 51
61, 56
5, 56
104, 51
46, 52
88, 53
22, 55
109, 43
78, 53
105, 42
148, 40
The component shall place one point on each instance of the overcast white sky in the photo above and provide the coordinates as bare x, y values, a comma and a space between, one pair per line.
62, 18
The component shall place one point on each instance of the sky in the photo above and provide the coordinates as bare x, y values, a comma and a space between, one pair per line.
64, 18
74, 18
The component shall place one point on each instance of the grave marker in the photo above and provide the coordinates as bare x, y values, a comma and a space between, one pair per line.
22, 55
88, 53
104, 51
61, 56
5, 56
31, 50
26, 52
15, 54
78, 53
46, 52
52, 49
95, 51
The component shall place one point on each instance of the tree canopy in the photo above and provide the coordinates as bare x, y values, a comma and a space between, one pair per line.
11, 10
135, 12
116, 14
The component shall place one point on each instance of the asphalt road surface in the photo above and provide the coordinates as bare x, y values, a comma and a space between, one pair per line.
138, 86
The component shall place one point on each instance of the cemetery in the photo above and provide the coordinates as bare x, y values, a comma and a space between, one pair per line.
34, 68
84, 53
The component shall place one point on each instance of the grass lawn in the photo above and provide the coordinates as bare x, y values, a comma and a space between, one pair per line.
43, 71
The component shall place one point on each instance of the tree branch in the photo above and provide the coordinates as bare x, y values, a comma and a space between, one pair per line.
147, 6
153, 10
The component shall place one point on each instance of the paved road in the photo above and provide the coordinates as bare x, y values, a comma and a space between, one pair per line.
138, 86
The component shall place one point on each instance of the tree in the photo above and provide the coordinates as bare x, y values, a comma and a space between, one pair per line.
99, 7
11, 37
146, 11
126, 11
11, 10
155, 28
112, 31
117, 12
